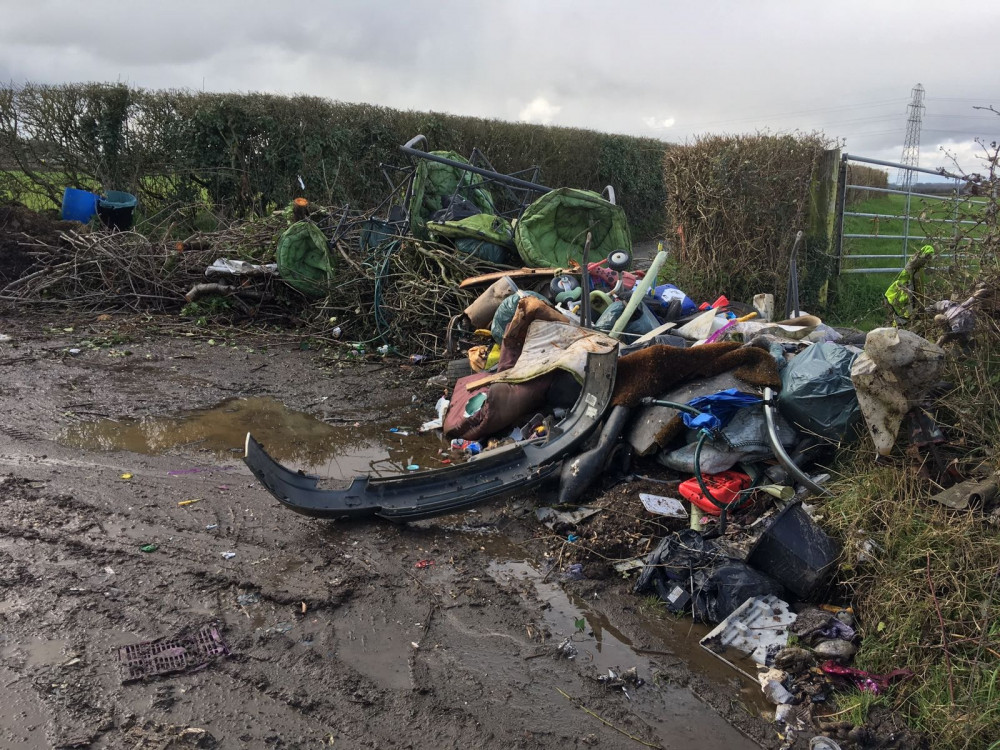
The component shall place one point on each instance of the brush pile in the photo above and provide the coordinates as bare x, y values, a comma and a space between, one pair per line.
403, 292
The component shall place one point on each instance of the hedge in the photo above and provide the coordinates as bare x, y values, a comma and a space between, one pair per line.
244, 153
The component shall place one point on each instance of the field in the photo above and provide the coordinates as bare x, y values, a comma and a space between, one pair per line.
858, 295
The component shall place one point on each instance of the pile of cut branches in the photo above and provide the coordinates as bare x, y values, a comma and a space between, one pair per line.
403, 292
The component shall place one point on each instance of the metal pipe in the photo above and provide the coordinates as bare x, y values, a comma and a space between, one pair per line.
890, 216
865, 160
497, 176
585, 318
929, 196
779, 452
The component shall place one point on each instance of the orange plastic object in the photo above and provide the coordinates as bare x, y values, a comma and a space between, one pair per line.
724, 486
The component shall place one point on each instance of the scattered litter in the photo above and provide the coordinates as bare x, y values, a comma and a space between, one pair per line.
663, 506
192, 501
571, 538
398, 431
212, 526
281, 627
150, 547
421, 564
109, 570
180, 653
566, 649
413, 467
228, 555
74, 351
441, 408
574, 572
247, 599
758, 628
866, 681
125, 476
628, 565
974, 492
551, 517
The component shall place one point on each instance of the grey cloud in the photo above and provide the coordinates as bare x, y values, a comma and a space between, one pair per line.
844, 68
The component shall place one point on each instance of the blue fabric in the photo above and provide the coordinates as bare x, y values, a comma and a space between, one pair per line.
717, 409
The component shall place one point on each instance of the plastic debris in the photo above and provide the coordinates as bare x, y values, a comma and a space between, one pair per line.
866, 681
150, 547
192, 501
228, 555
663, 506
181, 653
126, 476
441, 408
624, 566
758, 628
894, 372
247, 599
552, 517
566, 649
421, 564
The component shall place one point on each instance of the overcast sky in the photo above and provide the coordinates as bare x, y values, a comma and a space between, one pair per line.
669, 70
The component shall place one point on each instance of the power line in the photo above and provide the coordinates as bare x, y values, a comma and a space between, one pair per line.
769, 117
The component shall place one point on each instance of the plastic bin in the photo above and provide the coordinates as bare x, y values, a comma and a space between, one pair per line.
795, 551
116, 209
78, 205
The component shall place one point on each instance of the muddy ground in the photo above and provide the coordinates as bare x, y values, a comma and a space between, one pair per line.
338, 637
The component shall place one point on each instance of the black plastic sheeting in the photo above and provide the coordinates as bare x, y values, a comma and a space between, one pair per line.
686, 569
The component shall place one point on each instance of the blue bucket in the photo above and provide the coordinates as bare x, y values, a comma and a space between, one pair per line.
78, 205
116, 208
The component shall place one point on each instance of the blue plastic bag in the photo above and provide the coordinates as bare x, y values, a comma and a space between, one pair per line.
717, 409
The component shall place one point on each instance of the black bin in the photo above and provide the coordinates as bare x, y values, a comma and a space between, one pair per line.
795, 551
116, 210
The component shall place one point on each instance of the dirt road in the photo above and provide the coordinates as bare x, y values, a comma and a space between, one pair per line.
339, 635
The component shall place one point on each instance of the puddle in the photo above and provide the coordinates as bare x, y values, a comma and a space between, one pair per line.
675, 714
22, 722
295, 438
37, 652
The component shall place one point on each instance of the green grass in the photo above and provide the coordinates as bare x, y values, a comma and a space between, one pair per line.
858, 297
929, 565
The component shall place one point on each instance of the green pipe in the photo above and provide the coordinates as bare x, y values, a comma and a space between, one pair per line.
638, 293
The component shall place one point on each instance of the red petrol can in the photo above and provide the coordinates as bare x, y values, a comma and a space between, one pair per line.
724, 486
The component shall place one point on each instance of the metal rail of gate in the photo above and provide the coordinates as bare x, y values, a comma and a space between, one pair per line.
851, 246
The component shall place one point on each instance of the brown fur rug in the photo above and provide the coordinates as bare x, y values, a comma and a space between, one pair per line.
657, 369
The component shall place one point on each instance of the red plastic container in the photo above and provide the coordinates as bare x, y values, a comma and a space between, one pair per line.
724, 486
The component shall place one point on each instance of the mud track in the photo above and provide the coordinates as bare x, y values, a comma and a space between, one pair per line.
337, 637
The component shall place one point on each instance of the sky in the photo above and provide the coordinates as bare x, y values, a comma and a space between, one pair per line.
664, 69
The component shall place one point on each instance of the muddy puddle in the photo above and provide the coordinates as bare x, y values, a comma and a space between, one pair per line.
604, 645
295, 438
604, 652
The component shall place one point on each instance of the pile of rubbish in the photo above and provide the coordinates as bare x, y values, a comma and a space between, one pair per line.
577, 372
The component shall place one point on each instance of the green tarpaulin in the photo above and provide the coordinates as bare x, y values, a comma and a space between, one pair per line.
304, 261
553, 229
484, 236
434, 181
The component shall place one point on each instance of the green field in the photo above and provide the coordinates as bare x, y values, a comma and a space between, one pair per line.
857, 297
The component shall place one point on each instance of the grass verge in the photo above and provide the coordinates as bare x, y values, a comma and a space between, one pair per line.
925, 577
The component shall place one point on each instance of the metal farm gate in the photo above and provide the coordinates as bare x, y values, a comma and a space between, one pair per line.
878, 228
